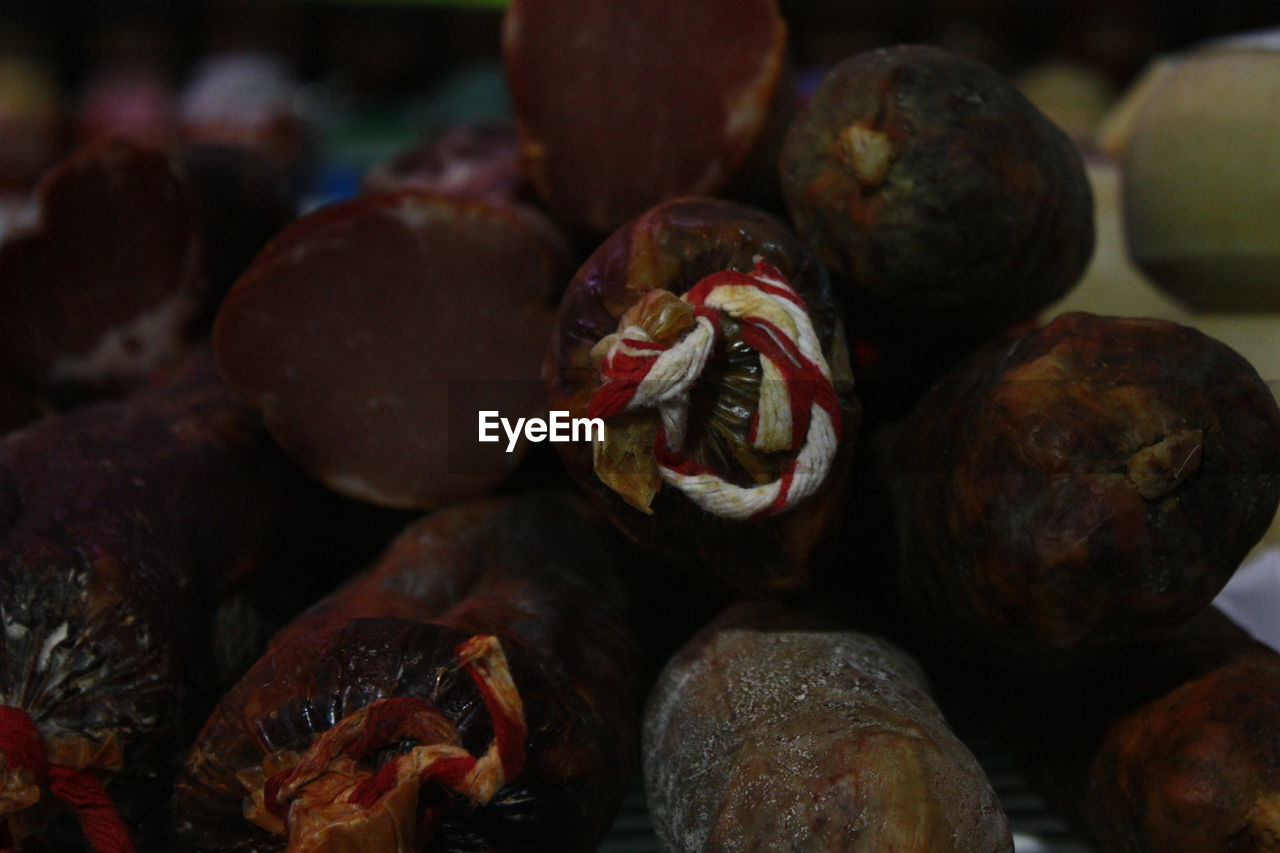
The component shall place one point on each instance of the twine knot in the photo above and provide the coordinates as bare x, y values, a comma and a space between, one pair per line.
797, 409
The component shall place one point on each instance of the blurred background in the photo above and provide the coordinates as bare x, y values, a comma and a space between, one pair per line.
328, 88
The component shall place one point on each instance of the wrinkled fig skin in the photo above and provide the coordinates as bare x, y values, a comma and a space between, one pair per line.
101, 289
678, 98
1092, 484
1172, 748
938, 190
535, 570
122, 525
769, 731
673, 246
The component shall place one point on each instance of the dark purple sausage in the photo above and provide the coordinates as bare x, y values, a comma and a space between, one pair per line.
1094, 483
1173, 747
371, 333
623, 105
122, 527
385, 661
102, 288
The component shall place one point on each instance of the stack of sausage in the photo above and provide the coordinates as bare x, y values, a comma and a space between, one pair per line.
809, 332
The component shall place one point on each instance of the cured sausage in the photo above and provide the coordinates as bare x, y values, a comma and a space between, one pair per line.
1093, 483
372, 332
1171, 747
770, 730
937, 190
705, 338
624, 105
102, 287
122, 526
473, 690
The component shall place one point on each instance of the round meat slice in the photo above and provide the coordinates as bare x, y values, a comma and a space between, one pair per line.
374, 332
102, 285
625, 104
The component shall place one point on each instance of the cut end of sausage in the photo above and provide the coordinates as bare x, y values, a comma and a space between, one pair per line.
101, 288
373, 332
623, 105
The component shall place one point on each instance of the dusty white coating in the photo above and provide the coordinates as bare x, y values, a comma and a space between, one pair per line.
822, 738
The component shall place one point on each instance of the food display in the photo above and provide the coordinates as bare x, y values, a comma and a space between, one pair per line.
123, 527
492, 639
1101, 480
1168, 748
706, 338
102, 279
772, 730
648, 102
325, 332
643, 425
936, 189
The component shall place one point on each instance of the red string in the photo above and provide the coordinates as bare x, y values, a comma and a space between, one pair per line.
384, 723
23, 746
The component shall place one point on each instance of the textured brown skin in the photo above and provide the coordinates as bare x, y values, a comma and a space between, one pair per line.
1197, 769
981, 215
535, 570
672, 247
1171, 748
365, 329
623, 105
117, 236
1019, 489
771, 731
127, 523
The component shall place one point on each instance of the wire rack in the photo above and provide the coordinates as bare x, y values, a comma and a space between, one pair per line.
1035, 829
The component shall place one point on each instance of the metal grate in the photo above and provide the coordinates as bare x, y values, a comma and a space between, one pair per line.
1035, 829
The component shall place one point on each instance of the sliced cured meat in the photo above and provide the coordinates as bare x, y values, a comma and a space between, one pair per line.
102, 287
626, 104
371, 334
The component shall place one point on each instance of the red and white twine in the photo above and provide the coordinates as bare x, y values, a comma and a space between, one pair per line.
282, 804
797, 408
